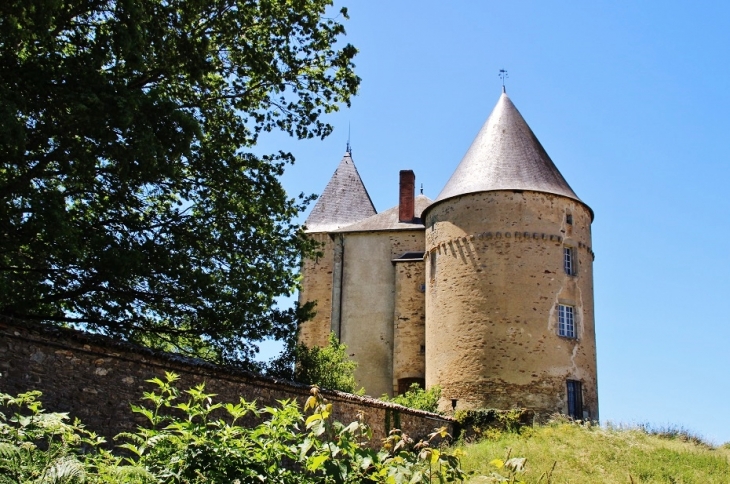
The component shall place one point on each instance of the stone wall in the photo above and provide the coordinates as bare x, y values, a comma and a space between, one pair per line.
409, 322
96, 379
317, 273
368, 302
495, 280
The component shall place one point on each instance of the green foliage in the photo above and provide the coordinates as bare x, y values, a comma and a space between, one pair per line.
131, 201
508, 470
328, 367
209, 443
36, 446
192, 439
418, 398
491, 423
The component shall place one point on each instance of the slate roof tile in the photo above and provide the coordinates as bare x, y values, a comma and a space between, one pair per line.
344, 200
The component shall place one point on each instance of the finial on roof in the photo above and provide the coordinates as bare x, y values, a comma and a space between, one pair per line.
349, 148
421, 188
503, 75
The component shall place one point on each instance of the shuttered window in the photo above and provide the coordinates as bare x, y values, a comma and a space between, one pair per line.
575, 399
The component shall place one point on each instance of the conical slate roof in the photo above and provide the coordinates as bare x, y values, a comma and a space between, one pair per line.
344, 200
506, 155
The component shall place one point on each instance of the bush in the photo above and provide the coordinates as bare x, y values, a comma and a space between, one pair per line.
192, 439
36, 446
418, 398
327, 367
490, 423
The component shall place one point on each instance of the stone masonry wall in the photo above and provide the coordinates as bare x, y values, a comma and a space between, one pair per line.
317, 287
495, 280
409, 322
368, 302
96, 379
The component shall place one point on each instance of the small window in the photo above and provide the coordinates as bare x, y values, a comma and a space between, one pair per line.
575, 399
569, 260
569, 219
566, 321
432, 268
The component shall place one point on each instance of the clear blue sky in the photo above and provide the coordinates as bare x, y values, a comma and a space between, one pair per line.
632, 102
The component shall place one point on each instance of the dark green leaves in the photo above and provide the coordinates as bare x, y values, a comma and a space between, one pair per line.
129, 203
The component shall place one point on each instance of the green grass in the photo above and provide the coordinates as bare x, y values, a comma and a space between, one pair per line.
588, 454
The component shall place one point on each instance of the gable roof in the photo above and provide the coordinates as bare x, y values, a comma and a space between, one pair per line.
344, 200
388, 220
506, 155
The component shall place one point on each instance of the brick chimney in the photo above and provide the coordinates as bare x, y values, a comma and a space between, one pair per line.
406, 202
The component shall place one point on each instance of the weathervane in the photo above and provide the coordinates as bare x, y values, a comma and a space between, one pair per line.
503, 75
349, 148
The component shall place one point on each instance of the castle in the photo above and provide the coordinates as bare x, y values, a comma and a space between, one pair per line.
486, 291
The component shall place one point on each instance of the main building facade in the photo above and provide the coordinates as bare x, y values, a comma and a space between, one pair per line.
486, 291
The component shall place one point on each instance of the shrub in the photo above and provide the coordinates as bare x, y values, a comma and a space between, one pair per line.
327, 367
418, 398
490, 423
189, 438
36, 446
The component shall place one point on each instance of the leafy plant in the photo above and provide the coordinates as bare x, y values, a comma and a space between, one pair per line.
491, 423
418, 398
190, 438
344, 454
508, 470
133, 201
36, 446
327, 367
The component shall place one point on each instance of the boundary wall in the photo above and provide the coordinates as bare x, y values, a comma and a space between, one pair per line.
96, 378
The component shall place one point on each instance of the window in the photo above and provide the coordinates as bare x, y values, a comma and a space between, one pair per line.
432, 270
575, 400
566, 321
569, 260
569, 219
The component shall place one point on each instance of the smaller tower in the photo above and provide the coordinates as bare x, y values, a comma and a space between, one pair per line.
509, 299
343, 202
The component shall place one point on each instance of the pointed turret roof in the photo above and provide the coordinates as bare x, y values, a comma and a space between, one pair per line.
344, 200
506, 155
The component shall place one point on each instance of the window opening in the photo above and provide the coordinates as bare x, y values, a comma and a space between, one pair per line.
432, 268
569, 261
569, 219
575, 399
566, 321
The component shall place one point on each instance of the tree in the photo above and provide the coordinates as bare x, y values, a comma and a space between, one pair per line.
131, 202
328, 367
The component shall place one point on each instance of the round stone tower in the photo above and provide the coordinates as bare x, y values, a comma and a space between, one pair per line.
509, 292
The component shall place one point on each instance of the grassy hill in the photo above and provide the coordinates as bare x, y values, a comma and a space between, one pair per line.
569, 452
